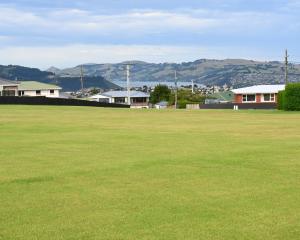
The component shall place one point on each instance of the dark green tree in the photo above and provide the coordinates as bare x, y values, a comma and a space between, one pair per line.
160, 93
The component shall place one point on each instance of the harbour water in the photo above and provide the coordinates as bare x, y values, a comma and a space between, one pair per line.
152, 84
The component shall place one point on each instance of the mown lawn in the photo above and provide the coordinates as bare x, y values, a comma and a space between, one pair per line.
92, 173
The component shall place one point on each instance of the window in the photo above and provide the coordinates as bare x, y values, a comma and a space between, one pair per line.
38, 92
8, 93
139, 100
104, 100
51, 92
269, 97
119, 100
249, 98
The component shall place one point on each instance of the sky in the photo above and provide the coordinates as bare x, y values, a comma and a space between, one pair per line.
42, 33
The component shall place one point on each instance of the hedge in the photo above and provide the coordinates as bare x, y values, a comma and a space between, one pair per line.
291, 97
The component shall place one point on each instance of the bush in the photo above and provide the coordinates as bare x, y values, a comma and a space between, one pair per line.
185, 97
182, 103
160, 93
280, 100
291, 99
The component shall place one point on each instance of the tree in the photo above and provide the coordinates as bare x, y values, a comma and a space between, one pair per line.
186, 97
160, 93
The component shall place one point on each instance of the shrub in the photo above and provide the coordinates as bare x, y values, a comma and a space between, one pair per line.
182, 103
291, 99
185, 97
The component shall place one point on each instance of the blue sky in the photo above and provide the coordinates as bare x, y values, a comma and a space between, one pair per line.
66, 33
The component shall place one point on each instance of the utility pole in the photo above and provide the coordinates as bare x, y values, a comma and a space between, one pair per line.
193, 91
128, 83
176, 89
56, 79
81, 77
286, 67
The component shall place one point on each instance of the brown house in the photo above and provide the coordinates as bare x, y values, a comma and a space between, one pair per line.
257, 94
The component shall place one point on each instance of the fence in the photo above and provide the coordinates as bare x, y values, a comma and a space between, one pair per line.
243, 106
57, 102
192, 106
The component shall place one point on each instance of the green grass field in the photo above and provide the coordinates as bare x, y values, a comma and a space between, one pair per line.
92, 173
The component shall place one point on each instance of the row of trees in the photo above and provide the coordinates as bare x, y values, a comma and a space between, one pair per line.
289, 99
184, 96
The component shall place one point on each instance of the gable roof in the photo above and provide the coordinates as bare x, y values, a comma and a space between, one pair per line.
5, 82
32, 85
260, 89
122, 94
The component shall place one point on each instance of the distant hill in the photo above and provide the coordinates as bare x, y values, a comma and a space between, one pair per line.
23, 73
73, 83
235, 72
20, 73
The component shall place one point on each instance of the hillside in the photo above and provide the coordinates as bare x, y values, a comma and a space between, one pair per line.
234, 72
13, 72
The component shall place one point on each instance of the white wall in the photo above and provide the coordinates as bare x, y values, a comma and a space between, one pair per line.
45, 93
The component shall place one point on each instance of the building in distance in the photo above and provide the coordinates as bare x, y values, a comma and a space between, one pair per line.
137, 99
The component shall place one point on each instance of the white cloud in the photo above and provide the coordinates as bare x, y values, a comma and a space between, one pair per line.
293, 4
66, 22
77, 20
66, 37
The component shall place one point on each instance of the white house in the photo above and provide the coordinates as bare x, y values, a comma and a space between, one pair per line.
137, 99
28, 88
35, 89
257, 94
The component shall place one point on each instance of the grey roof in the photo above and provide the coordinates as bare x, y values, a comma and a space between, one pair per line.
5, 82
162, 103
133, 94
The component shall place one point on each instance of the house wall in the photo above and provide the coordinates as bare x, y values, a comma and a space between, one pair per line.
45, 93
134, 101
238, 98
139, 106
8, 88
258, 98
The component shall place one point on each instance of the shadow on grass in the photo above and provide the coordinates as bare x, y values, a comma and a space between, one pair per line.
30, 180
